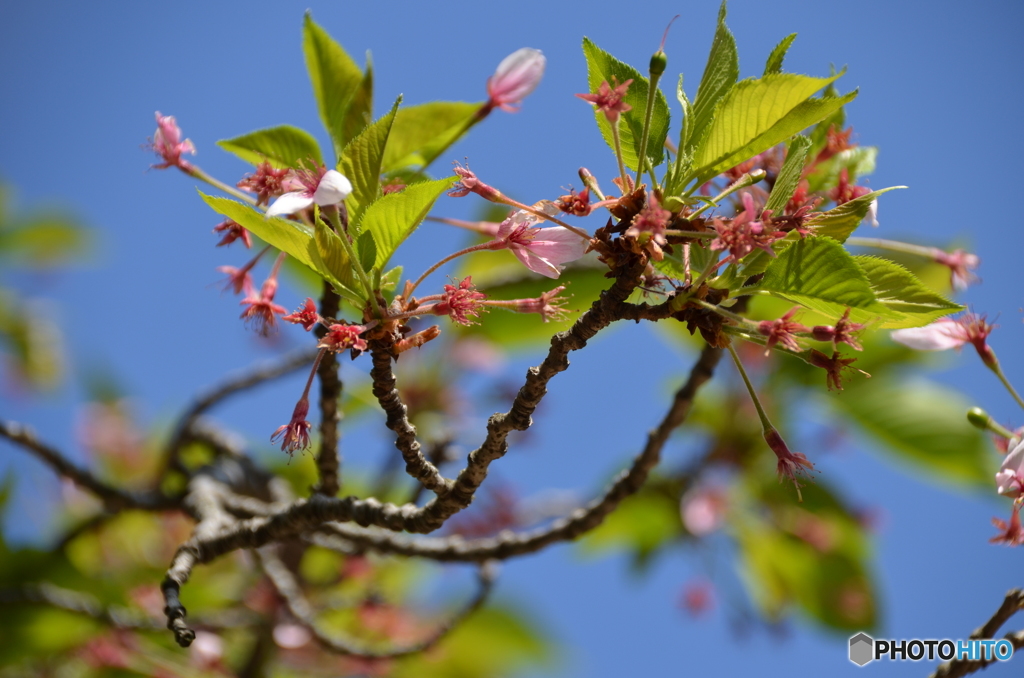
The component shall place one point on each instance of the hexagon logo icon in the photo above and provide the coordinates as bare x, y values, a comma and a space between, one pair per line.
862, 649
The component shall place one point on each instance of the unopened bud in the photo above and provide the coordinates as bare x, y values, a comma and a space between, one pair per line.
979, 418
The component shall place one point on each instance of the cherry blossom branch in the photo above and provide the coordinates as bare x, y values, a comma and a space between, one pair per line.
114, 499
584, 519
288, 588
243, 381
328, 461
390, 400
1012, 603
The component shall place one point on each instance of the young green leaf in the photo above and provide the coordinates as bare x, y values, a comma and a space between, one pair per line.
603, 67
858, 162
899, 290
421, 132
361, 163
393, 217
335, 77
360, 109
838, 223
789, 175
720, 74
283, 147
775, 59
366, 250
757, 114
921, 423
818, 269
288, 236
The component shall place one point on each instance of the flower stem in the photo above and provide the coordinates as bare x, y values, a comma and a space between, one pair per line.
652, 92
475, 248
217, 183
748, 179
766, 423
995, 367
894, 246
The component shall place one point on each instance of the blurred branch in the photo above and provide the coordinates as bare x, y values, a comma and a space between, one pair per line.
328, 462
579, 522
390, 400
114, 499
1013, 603
247, 379
288, 588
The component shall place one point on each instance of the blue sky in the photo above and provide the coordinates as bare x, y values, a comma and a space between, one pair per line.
940, 92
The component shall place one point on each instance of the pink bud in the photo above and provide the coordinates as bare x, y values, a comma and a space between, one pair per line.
517, 75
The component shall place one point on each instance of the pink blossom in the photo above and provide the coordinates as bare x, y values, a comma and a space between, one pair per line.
648, 227
698, 597
1011, 533
781, 331
744, 233
266, 182
468, 183
961, 266
517, 75
842, 333
609, 99
232, 231
791, 464
577, 204
341, 337
1010, 479
459, 302
542, 250
947, 333
322, 186
296, 431
261, 310
168, 145
833, 367
306, 315
703, 510
548, 305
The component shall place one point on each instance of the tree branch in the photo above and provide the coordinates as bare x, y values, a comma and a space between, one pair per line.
1013, 603
328, 461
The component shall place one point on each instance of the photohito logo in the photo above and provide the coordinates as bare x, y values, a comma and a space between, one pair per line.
864, 648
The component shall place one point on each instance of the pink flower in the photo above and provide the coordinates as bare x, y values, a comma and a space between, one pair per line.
947, 333
306, 315
698, 597
844, 192
791, 464
842, 333
1010, 479
266, 182
460, 302
577, 204
168, 145
517, 75
703, 510
542, 250
261, 309
743, 233
343, 337
609, 100
781, 331
961, 264
322, 186
548, 305
468, 183
833, 367
232, 231
296, 431
1011, 533
648, 227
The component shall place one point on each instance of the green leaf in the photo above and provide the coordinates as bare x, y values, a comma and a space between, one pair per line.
720, 74
757, 114
603, 67
775, 59
393, 217
361, 163
336, 80
789, 175
360, 109
899, 290
366, 249
922, 424
283, 146
287, 236
41, 241
818, 269
420, 132
839, 222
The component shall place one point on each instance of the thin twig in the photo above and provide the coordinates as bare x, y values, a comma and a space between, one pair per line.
288, 588
328, 461
114, 499
1012, 603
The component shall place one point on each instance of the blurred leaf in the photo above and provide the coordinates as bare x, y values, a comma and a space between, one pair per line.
757, 114
283, 146
337, 81
858, 162
720, 74
32, 341
393, 217
603, 67
778, 55
492, 642
899, 290
789, 175
641, 525
922, 424
361, 163
839, 222
42, 241
420, 132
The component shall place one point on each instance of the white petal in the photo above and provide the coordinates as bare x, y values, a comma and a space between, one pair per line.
558, 245
289, 203
939, 336
872, 216
332, 189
